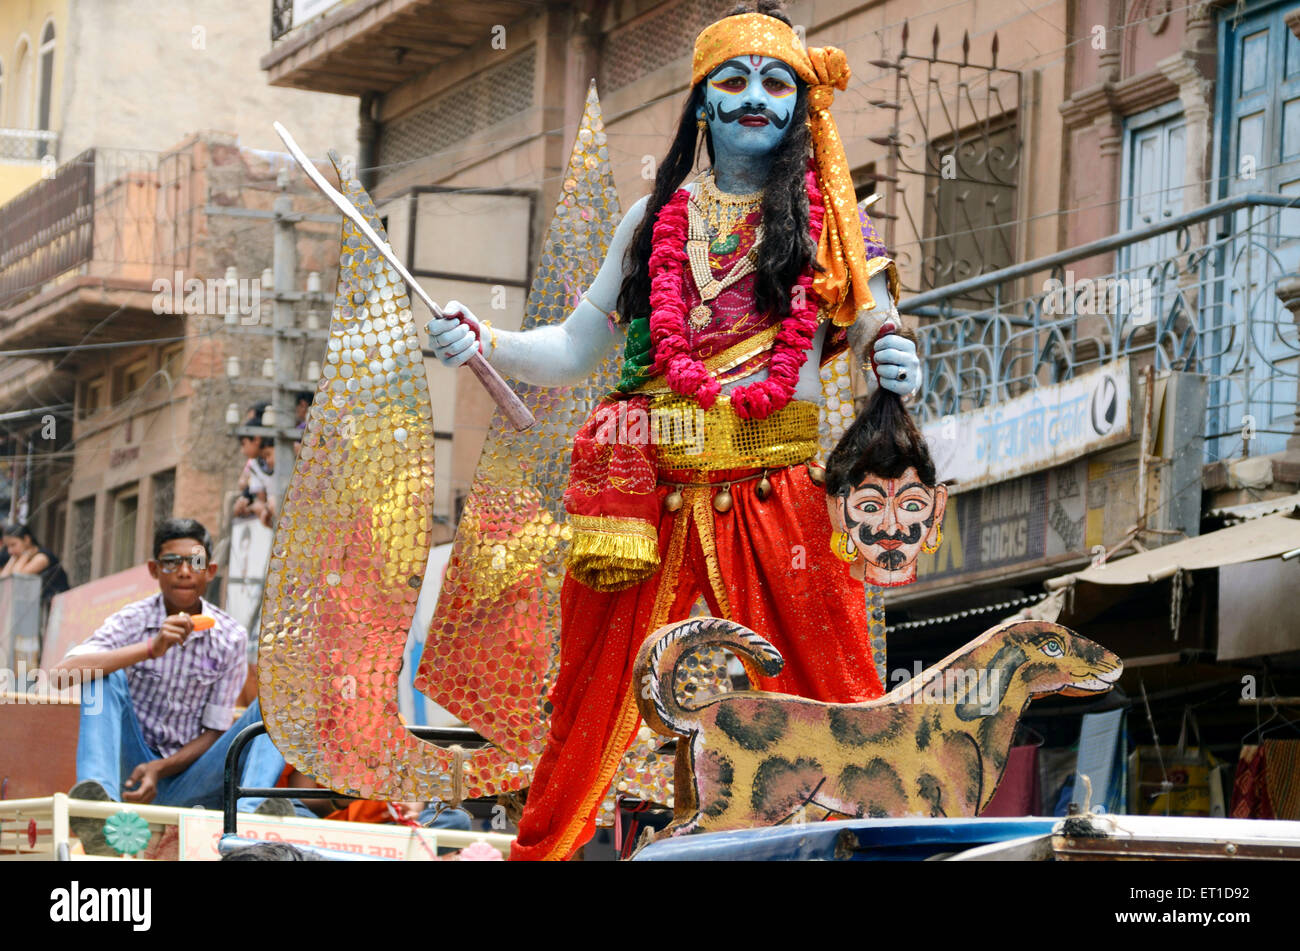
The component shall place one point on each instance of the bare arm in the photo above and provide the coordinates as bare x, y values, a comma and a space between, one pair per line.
557, 355
174, 630
180, 761
104, 662
35, 564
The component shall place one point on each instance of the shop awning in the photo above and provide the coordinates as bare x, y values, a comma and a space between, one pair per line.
1250, 510
1266, 537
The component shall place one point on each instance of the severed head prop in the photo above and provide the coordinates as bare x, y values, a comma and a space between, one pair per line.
884, 503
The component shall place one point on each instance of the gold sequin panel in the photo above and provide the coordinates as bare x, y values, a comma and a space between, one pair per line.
692, 438
351, 546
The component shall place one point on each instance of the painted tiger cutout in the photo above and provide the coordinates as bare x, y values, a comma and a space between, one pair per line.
934, 746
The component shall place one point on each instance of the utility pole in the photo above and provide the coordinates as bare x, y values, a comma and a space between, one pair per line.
279, 423
284, 267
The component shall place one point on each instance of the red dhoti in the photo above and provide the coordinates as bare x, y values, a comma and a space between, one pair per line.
766, 564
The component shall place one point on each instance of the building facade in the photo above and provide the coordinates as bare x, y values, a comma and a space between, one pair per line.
118, 409
127, 74
113, 400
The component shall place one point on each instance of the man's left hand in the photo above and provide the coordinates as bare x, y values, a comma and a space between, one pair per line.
142, 786
897, 366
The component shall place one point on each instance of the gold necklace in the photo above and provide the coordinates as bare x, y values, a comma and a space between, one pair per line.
697, 252
724, 212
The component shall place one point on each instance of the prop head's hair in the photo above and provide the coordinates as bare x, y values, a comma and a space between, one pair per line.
884, 440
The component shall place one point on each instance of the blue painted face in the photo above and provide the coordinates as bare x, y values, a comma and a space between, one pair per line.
749, 102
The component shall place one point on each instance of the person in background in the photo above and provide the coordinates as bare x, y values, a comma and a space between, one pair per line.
255, 500
432, 815
273, 852
27, 557
301, 406
302, 403
163, 695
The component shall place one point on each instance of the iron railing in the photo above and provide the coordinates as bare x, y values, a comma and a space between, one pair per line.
27, 145
107, 213
952, 163
1206, 299
281, 18
48, 229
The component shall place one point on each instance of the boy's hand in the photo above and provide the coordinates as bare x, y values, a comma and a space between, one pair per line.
174, 630
142, 785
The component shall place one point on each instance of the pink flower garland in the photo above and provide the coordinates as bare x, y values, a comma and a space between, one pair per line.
688, 376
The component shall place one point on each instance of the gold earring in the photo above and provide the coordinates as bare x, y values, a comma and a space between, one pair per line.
842, 547
701, 123
937, 542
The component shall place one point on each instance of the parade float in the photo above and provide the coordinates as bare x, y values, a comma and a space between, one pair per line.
691, 487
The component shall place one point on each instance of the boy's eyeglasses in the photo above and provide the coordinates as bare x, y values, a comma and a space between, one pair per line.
168, 564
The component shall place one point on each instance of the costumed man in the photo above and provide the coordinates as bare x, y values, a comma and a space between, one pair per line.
695, 478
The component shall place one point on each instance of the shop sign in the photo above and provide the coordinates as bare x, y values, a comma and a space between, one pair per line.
1037, 430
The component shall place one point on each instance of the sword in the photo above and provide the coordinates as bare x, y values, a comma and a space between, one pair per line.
518, 414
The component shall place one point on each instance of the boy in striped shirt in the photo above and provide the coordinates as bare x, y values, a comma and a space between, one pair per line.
160, 730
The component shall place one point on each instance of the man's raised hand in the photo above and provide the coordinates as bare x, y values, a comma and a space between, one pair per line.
451, 339
897, 366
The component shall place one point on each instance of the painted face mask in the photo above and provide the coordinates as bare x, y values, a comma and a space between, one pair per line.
749, 102
885, 524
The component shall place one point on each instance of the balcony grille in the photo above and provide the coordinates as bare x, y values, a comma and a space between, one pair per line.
27, 145
48, 229
489, 98
1215, 304
281, 18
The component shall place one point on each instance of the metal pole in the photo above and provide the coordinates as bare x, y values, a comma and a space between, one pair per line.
1144, 449
285, 267
230, 778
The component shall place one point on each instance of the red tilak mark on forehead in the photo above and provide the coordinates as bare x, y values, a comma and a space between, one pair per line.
755, 60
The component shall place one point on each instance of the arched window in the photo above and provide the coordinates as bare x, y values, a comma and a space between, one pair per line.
23, 90
46, 100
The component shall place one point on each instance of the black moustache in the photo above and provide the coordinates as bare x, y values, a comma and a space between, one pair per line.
751, 110
909, 537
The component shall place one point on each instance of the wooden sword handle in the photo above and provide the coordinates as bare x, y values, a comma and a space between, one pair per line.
519, 415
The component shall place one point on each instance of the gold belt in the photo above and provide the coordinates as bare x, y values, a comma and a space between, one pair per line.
689, 437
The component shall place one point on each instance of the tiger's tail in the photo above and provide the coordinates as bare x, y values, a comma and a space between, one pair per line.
656, 666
